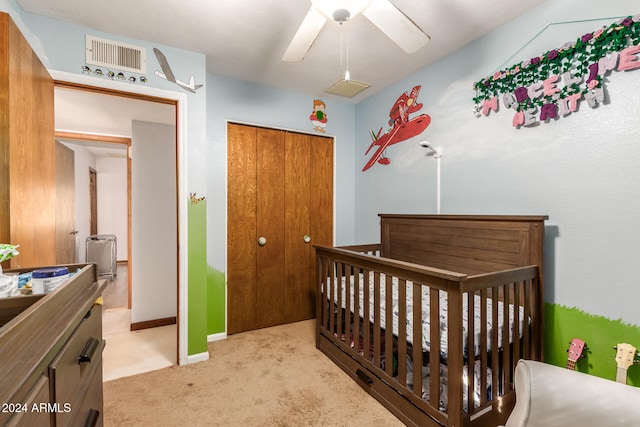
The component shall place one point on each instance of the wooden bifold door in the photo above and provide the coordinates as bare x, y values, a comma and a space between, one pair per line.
280, 203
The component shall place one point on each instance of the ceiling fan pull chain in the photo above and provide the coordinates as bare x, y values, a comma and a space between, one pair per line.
347, 75
341, 42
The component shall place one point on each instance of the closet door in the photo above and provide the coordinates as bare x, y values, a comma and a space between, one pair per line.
321, 205
255, 224
297, 214
308, 216
280, 203
241, 228
270, 260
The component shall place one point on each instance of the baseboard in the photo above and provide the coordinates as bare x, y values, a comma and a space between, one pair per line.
195, 358
153, 323
217, 337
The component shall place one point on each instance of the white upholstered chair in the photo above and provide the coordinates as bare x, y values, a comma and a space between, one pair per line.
548, 396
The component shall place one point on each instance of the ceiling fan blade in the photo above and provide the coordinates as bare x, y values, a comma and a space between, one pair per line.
305, 36
396, 25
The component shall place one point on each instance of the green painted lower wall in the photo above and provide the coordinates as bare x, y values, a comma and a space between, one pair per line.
215, 301
207, 315
197, 276
600, 334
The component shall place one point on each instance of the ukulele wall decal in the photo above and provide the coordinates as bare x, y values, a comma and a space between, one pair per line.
576, 349
625, 357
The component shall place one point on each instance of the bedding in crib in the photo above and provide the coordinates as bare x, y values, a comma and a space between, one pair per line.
426, 313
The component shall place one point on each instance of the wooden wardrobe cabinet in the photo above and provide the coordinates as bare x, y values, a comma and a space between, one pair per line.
280, 203
51, 355
27, 151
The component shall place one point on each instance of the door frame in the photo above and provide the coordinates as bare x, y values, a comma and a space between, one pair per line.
93, 201
106, 139
113, 87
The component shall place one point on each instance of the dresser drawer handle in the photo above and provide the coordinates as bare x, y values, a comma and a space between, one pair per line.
88, 351
92, 419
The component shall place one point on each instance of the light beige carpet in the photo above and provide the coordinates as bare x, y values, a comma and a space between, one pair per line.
269, 377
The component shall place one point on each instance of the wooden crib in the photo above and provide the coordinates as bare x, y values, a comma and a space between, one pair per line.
470, 273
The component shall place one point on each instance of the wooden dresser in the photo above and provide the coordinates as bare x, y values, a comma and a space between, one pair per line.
51, 355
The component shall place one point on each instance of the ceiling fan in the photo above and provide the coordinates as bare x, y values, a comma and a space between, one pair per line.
382, 13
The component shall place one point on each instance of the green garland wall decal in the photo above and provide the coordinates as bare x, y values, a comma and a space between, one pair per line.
553, 84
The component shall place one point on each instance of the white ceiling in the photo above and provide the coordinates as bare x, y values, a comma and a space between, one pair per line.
245, 39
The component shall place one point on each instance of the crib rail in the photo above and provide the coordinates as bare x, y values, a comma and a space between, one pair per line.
445, 374
371, 249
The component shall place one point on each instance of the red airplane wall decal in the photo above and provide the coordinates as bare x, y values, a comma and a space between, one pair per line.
402, 128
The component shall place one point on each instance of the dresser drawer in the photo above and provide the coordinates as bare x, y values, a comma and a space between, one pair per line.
31, 412
87, 410
81, 354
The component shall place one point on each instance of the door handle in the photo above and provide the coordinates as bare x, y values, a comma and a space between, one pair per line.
306, 238
364, 377
262, 241
74, 232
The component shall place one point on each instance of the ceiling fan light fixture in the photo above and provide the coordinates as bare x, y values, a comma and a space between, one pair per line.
341, 15
329, 7
382, 13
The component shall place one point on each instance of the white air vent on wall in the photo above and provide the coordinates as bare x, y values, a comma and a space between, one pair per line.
121, 56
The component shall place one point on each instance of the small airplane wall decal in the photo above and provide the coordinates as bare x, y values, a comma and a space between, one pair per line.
402, 128
168, 75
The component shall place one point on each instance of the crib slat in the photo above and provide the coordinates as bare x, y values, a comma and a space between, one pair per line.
356, 309
388, 322
332, 297
366, 326
483, 346
376, 319
402, 332
339, 277
526, 334
347, 304
322, 266
495, 352
434, 355
417, 341
516, 327
506, 354
470, 349
455, 364
537, 304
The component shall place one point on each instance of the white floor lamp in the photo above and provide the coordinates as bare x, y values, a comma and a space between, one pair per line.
436, 153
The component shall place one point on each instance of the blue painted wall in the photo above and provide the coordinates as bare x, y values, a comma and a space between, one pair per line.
581, 170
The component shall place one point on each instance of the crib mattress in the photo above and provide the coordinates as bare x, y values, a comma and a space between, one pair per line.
426, 314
